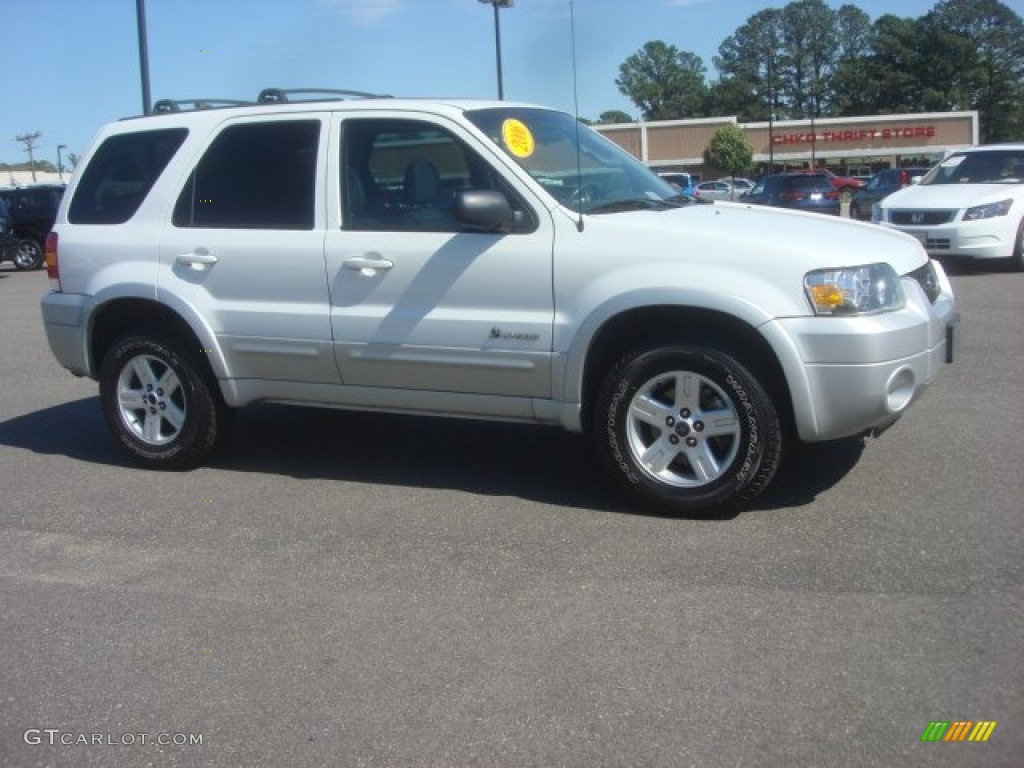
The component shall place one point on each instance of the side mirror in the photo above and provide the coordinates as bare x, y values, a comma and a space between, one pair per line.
485, 209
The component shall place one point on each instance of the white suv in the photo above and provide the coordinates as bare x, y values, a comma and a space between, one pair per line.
969, 205
475, 259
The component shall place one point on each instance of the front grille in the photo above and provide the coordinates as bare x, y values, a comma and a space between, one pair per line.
937, 244
921, 218
928, 280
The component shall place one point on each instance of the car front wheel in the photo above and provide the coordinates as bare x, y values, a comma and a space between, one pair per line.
161, 402
1017, 257
687, 429
28, 255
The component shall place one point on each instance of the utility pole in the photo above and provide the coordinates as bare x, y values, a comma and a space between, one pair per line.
29, 140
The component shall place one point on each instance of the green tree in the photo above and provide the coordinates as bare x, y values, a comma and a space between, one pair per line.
893, 65
613, 116
852, 85
809, 40
748, 62
664, 82
729, 151
993, 76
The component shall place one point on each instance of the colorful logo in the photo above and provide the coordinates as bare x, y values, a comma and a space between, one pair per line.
958, 730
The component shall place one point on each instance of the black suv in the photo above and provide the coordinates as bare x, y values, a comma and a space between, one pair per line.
30, 215
802, 191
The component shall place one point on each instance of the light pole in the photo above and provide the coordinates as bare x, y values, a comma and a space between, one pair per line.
60, 162
497, 38
140, 23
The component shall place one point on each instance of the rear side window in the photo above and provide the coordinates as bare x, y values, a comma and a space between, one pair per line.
120, 175
254, 176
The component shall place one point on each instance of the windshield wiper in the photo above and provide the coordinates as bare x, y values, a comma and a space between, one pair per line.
634, 204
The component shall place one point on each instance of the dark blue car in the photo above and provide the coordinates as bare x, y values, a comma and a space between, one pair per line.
801, 191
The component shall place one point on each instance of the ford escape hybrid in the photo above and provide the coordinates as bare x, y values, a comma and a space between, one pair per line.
474, 259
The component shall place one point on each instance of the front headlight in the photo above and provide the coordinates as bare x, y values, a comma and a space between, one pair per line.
988, 210
854, 290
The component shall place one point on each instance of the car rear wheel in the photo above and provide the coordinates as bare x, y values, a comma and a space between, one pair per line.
28, 255
687, 429
161, 402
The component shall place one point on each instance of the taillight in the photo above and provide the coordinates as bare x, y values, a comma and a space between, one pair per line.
904, 178
791, 195
833, 195
52, 270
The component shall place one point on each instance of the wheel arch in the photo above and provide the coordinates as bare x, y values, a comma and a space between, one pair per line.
121, 315
650, 326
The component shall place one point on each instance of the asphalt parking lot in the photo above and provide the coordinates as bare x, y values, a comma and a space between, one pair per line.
353, 590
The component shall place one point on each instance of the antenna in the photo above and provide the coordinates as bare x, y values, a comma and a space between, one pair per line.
576, 117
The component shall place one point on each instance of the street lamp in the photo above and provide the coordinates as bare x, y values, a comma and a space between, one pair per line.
497, 38
60, 163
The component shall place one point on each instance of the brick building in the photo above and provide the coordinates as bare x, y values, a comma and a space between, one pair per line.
856, 146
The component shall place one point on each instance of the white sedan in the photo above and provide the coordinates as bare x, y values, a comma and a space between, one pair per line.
969, 205
723, 189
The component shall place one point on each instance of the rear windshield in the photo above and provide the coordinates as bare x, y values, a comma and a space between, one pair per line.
120, 175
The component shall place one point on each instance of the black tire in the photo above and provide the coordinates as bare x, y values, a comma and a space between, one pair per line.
174, 426
640, 410
28, 255
1016, 260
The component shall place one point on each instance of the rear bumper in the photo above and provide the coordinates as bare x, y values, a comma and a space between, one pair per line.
64, 319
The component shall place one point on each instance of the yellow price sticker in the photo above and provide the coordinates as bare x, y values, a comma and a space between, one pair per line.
517, 138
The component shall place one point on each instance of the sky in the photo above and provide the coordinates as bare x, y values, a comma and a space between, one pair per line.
73, 65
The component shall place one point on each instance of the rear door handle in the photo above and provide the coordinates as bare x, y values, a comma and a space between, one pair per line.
367, 265
197, 260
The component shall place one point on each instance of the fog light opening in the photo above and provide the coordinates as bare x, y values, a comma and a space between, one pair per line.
899, 390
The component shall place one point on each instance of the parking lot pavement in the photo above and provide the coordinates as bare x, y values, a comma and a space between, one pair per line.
373, 590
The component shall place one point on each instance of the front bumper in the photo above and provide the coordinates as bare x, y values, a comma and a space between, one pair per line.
982, 239
859, 374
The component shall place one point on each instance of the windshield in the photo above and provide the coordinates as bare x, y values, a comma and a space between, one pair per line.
1004, 166
600, 178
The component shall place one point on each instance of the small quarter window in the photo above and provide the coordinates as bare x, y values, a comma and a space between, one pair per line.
120, 175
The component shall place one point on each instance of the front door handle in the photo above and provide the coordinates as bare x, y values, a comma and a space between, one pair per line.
368, 265
197, 260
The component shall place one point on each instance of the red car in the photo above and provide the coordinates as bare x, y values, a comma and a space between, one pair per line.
847, 185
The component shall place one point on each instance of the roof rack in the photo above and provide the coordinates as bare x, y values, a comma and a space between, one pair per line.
166, 106
282, 95
267, 96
